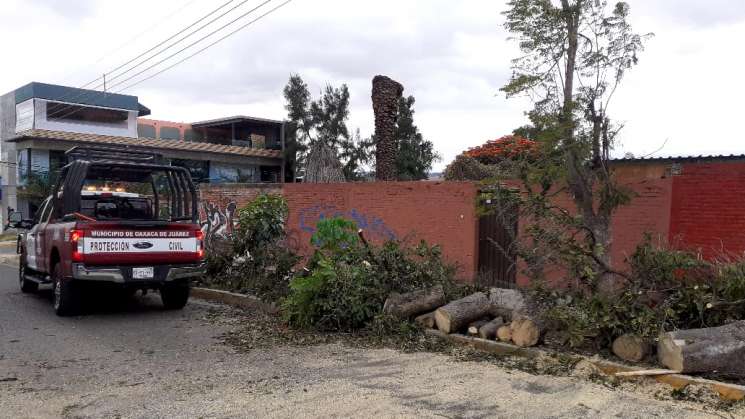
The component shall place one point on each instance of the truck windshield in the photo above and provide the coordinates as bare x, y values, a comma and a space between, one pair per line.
113, 207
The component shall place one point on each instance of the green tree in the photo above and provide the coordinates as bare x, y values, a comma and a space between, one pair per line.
574, 55
37, 186
321, 125
415, 154
356, 152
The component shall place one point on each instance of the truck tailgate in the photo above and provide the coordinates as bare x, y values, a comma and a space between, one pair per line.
112, 244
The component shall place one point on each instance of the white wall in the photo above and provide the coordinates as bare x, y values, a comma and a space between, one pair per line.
124, 129
25, 116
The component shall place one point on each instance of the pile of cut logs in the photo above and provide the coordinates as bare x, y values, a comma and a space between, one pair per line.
502, 314
506, 315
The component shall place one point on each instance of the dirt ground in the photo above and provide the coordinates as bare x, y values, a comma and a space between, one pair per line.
135, 360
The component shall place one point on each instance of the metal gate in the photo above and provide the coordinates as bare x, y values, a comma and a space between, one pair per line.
497, 260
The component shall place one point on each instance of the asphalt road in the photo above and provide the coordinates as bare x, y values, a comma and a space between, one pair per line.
134, 359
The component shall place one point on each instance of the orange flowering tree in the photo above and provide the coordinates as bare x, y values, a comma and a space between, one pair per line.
509, 147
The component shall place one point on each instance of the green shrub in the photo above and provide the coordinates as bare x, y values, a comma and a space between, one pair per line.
348, 281
260, 223
668, 289
257, 258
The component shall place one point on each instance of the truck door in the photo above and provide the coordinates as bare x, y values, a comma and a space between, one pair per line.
44, 237
33, 244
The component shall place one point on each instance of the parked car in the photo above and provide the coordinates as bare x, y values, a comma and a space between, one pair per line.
118, 217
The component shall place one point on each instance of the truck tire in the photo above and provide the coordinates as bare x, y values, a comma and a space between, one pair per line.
174, 297
26, 285
65, 294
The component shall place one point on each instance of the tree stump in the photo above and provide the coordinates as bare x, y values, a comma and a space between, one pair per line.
459, 313
713, 349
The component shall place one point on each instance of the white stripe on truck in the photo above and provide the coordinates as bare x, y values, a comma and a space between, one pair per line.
94, 245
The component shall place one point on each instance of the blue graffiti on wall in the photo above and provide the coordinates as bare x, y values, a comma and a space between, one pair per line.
374, 227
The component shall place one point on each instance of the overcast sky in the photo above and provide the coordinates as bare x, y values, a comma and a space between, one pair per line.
453, 56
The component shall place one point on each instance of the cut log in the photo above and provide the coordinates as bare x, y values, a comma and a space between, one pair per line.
504, 333
459, 313
404, 306
426, 321
526, 331
473, 328
489, 330
714, 349
631, 348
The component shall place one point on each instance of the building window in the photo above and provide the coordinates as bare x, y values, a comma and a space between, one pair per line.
23, 165
270, 174
193, 135
57, 160
168, 133
199, 169
145, 131
76, 113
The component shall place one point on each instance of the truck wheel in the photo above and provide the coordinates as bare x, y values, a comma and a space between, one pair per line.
174, 296
26, 285
65, 294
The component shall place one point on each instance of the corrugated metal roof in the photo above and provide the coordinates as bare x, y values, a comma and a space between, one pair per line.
147, 143
679, 158
237, 118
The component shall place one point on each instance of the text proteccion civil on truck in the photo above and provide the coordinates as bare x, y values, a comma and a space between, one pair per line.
117, 216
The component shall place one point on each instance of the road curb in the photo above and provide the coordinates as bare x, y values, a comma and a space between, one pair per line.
242, 301
726, 391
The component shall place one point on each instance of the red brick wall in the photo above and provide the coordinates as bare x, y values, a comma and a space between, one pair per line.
648, 212
708, 208
441, 213
222, 194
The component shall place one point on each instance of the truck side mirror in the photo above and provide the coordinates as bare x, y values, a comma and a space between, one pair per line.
15, 217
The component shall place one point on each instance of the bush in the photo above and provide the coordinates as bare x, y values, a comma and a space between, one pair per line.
257, 258
348, 281
668, 290
261, 223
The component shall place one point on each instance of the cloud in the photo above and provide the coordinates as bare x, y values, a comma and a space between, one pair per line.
452, 56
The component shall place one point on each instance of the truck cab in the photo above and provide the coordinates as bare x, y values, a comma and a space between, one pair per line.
119, 217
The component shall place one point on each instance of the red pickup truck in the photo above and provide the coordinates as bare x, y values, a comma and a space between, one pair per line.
116, 216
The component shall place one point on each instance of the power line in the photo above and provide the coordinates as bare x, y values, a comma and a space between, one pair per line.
195, 43
83, 94
205, 37
242, 16
156, 23
208, 46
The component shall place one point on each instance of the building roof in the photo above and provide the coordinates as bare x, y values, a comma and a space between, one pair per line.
74, 95
235, 119
175, 145
679, 158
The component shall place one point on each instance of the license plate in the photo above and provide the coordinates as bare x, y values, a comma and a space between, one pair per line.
142, 273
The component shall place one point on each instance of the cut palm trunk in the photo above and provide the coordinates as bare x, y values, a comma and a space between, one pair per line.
713, 349
489, 330
458, 314
404, 306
